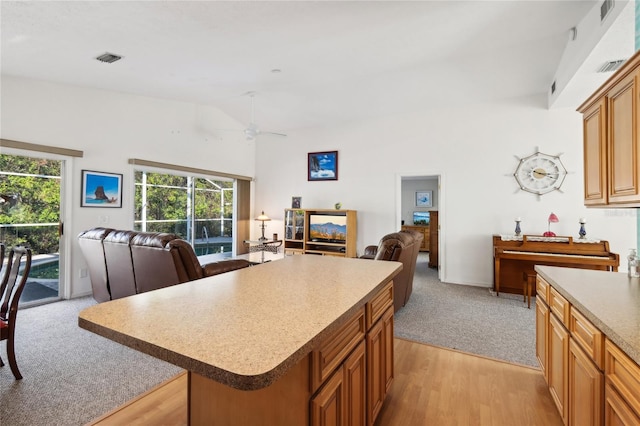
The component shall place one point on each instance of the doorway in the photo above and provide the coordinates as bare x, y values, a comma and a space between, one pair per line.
421, 198
30, 215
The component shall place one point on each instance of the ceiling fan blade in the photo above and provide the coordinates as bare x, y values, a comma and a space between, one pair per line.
273, 134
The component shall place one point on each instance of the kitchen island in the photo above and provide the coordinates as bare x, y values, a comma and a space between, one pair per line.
286, 342
588, 344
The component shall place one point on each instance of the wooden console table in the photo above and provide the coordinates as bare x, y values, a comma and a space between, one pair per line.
515, 258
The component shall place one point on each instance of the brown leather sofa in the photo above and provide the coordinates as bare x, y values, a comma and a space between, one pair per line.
123, 263
402, 246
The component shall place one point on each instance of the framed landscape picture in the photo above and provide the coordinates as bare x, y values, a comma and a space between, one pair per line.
322, 165
101, 189
424, 198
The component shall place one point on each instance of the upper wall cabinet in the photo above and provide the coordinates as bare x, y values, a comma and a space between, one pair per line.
611, 151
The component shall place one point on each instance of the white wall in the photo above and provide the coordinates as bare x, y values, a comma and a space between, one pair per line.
473, 148
111, 128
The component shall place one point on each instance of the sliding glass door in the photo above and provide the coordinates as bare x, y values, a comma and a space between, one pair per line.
198, 209
30, 194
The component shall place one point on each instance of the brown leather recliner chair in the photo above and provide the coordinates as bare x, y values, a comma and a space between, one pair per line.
123, 263
91, 245
403, 247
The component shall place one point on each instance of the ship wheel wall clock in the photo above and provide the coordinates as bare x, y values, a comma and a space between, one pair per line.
540, 173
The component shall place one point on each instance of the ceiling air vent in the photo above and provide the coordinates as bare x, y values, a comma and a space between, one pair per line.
611, 65
606, 7
109, 58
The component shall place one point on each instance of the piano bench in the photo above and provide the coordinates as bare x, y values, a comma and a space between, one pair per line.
529, 278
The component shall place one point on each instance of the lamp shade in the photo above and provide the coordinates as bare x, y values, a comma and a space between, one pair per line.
263, 217
553, 218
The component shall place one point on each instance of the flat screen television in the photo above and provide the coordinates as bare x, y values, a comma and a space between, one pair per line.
421, 218
328, 228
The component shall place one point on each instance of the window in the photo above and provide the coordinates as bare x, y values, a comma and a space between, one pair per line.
198, 209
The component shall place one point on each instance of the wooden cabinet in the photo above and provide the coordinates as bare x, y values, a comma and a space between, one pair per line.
622, 394
586, 388
542, 320
616, 411
595, 155
352, 370
341, 400
320, 231
424, 230
557, 367
570, 351
610, 131
380, 358
622, 127
433, 240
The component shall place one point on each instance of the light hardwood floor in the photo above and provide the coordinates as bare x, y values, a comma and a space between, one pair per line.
432, 386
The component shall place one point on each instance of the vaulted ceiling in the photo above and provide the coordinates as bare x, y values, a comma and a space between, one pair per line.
311, 63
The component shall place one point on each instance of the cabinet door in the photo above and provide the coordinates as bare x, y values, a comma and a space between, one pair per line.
557, 367
616, 410
379, 363
375, 370
542, 323
586, 389
622, 110
595, 155
387, 325
355, 379
327, 407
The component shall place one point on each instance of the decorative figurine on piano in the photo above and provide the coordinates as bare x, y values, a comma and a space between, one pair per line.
582, 232
518, 231
552, 218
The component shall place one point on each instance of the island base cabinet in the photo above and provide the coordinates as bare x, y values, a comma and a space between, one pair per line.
557, 367
586, 388
542, 319
285, 402
616, 410
341, 400
379, 364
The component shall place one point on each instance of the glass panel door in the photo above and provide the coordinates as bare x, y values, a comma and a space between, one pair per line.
30, 191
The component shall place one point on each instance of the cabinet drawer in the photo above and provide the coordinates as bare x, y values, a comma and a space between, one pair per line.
559, 306
587, 335
542, 289
623, 375
379, 304
333, 350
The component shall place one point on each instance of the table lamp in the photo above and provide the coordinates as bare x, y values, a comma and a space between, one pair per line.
263, 218
552, 218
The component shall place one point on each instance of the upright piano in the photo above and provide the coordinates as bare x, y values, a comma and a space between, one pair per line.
515, 257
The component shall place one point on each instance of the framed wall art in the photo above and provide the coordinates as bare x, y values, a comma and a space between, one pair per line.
101, 189
424, 198
322, 165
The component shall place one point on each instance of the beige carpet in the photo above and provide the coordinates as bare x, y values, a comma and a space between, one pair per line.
467, 318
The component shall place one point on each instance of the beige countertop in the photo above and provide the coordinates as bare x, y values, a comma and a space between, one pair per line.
610, 300
243, 328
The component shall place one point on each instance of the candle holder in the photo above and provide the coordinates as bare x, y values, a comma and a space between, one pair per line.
517, 231
582, 232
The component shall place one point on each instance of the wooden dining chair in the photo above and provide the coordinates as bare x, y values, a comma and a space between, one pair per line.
11, 288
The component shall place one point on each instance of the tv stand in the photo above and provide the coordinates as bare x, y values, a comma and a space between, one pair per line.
298, 238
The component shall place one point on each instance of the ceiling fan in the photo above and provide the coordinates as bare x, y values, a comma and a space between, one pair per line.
253, 131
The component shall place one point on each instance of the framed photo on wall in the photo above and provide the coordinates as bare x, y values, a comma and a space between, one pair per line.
424, 198
101, 189
322, 165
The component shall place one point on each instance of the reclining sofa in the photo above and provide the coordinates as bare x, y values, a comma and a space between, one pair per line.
401, 247
124, 263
